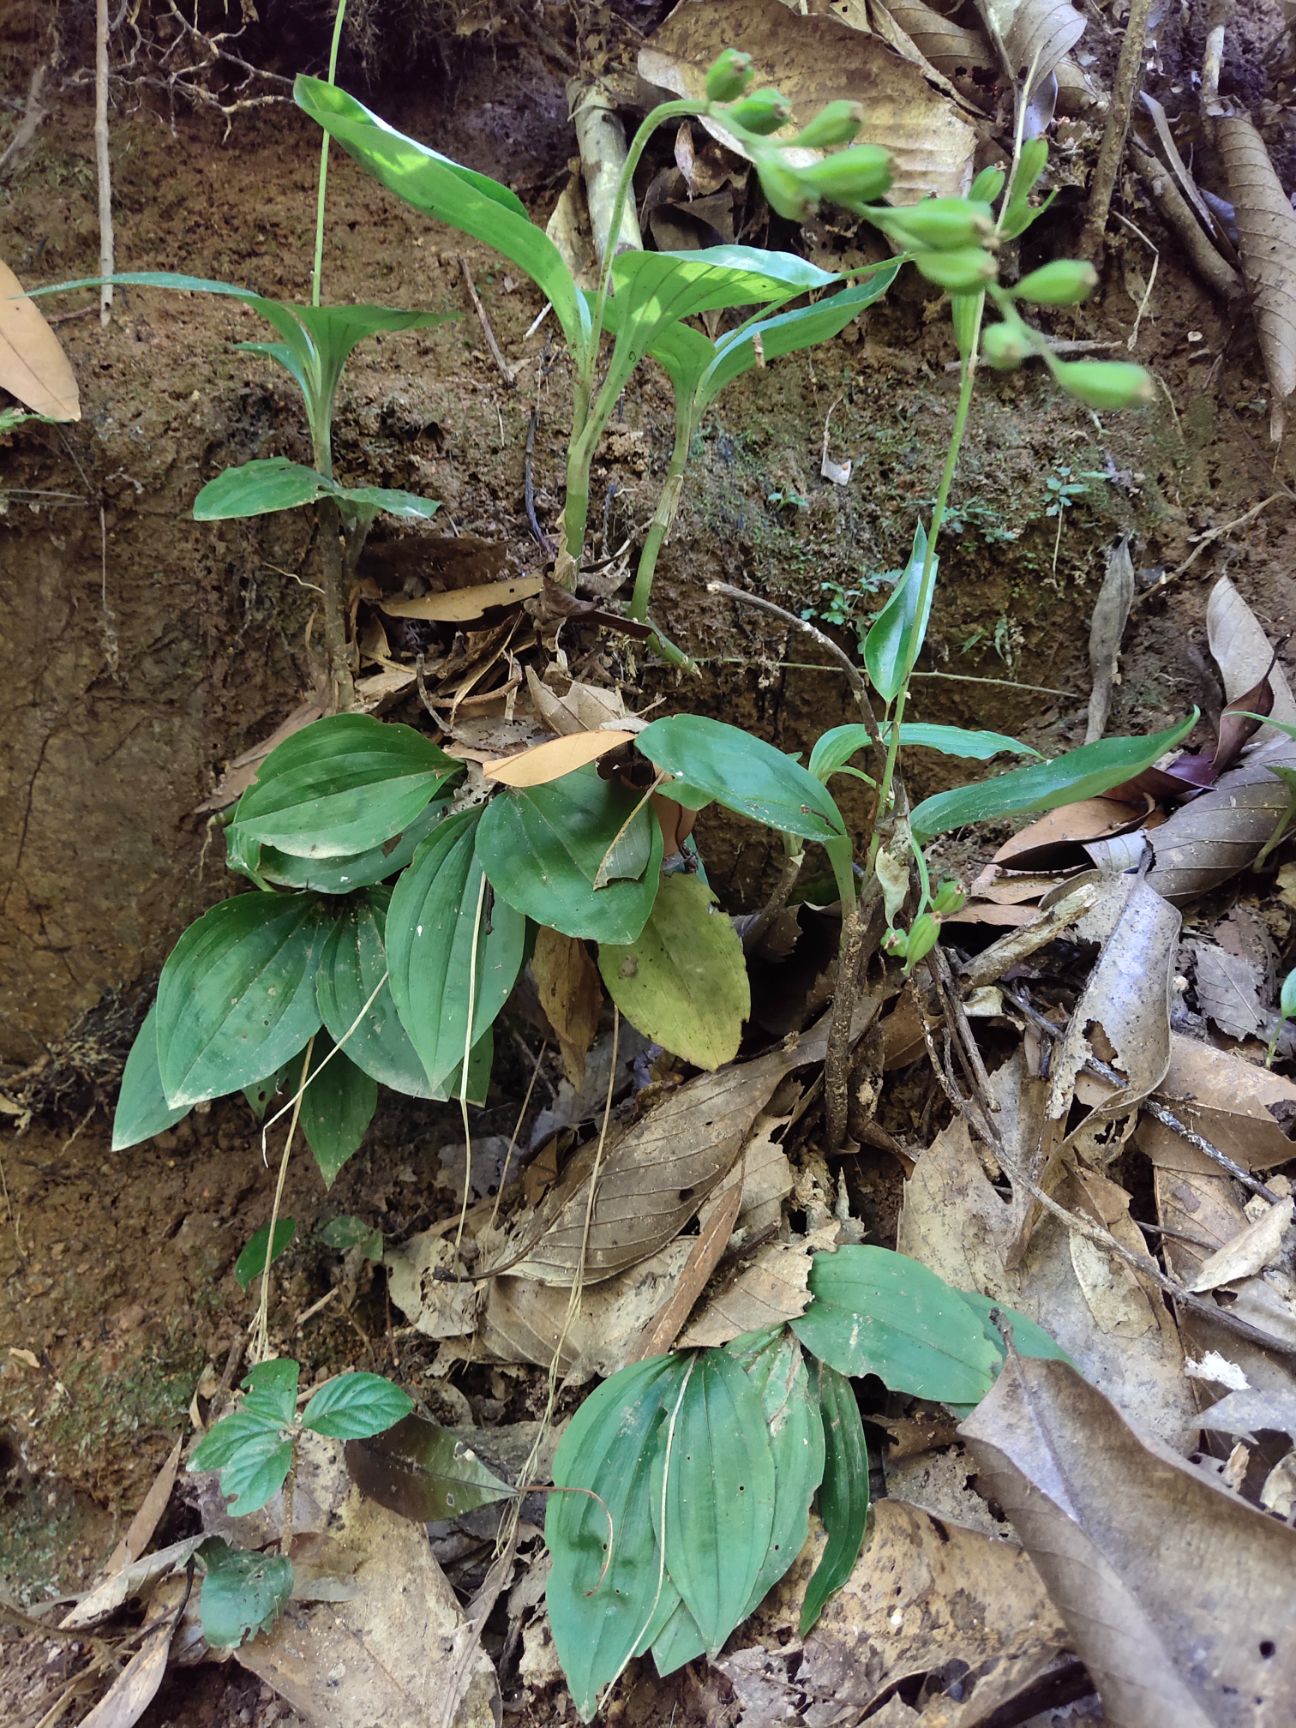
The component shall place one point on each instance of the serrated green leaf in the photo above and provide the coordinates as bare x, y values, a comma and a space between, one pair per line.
251, 1262
423, 1471
354, 1406
236, 998
878, 1312
543, 848
337, 1107
341, 786
352, 965
711, 762
452, 949
257, 488
1084, 773
142, 1108
844, 1494
271, 1388
342, 875
599, 1616
242, 1594
896, 635
683, 980
225, 1439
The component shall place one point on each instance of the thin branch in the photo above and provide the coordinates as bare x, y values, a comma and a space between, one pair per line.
502, 366
858, 688
1129, 70
102, 165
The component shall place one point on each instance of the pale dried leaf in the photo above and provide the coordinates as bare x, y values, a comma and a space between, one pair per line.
1230, 988
1106, 628
435, 1307
1278, 1490
1176, 1593
771, 1287
33, 366
571, 996
458, 605
1244, 654
1235, 1104
1254, 1410
957, 53
136, 1686
706, 1251
554, 758
130, 1580
579, 708
1266, 227
1033, 36
242, 770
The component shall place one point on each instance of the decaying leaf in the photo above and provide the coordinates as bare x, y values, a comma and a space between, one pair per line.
1175, 1592
1244, 1109
438, 1308
570, 995
1266, 228
424, 1472
457, 605
1106, 628
1032, 36
815, 60
578, 708
773, 1286
33, 366
960, 55
136, 1686
1250, 1410
1257, 1245
1245, 655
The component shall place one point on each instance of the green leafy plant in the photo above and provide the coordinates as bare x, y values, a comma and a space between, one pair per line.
253, 1449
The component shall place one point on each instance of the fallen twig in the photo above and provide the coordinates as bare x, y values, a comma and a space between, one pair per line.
502, 366
32, 116
102, 164
1207, 539
1216, 272
1129, 69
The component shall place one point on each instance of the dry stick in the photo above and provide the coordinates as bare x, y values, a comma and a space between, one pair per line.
341, 691
261, 1328
25, 130
1216, 272
858, 688
1124, 90
778, 899
502, 366
101, 158
1206, 540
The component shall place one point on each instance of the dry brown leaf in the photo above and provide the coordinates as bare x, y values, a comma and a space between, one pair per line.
1266, 227
773, 1286
136, 1686
436, 1307
705, 1254
957, 53
1252, 1410
1228, 1100
131, 1580
571, 995
1257, 1245
1176, 1593
1229, 988
1032, 36
33, 366
578, 708
1106, 629
242, 770
554, 758
458, 605
1244, 654
814, 60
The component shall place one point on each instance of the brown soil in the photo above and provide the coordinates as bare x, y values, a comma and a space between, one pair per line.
141, 650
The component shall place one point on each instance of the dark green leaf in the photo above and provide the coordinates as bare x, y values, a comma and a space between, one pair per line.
251, 1262
336, 875
353, 964
878, 1312
242, 1593
789, 332
598, 1617
452, 951
844, 1495
271, 1388
341, 786
142, 1108
262, 1093
468, 201
390, 500
354, 1406
236, 998
349, 1232
225, 1439
424, 1472
337, 1106
257, 488
896, 635
1084, 773
709, 761
255, 1473
544, 847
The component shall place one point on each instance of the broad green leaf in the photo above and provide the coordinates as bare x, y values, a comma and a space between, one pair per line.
353, 964
1028, 1336
896, 635
709, 761
336, 875
544, 847
789, 332
251, 1262
471, 202
271, 1388
256, 1472
390, 500
142, 1108
242, 1593
834, 749
236, 997
657, 289
683, 980
1084, 773
878, 1312
348, 1231
261, 1093
598, 1617
424, 1471
341, 786
453, 949
843, 1495
228, 1437
713, 1495
255, 489
337, 1106
958, 741
354, 1406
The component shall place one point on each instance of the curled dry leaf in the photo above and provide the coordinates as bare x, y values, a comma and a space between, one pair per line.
1245, 656
815, 60
1243, 1109
958, 54
33, 366
1266, 228
554, 758
1177, 1594
1257, 1245
578, 708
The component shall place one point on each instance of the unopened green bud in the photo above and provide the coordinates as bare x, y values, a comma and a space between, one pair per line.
783, 187
948, 899
835, 123
854, 176
762, 112
1105, 383
943, 223
894, 941
730, 74
1004, 347
924, 933
987, 186
1064, 282
965, 271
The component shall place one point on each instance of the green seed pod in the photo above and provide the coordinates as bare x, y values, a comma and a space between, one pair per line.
948, 899
1064, 282
987, 186
965, 271
763, 112
1004, 347
1105, 383
945, 224
894, 942
835, 123
852, 177
729, 76
783, 187
924, 934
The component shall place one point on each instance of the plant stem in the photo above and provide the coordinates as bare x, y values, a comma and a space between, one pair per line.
667, 504
334, 562
318, 270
